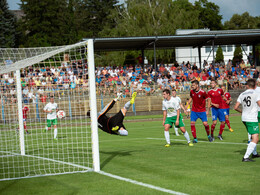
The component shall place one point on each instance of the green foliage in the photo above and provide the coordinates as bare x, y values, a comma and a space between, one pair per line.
238, 55
243, 21
7, 26
219, 55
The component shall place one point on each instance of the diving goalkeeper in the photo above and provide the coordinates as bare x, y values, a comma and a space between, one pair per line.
114, 124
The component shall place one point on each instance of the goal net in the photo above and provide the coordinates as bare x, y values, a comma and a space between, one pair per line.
36, 83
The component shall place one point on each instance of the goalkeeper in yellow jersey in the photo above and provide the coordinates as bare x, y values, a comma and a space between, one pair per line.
187, 105
114, 125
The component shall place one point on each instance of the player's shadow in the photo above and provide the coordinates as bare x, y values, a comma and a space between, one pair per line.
113, 155
243, 151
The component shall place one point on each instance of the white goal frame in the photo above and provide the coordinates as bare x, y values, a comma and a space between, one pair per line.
92, 105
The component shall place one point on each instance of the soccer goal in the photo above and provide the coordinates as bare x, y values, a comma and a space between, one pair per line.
35, 84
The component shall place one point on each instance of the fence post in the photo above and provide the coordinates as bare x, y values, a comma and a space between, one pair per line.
3, 110
70, 113
37, 109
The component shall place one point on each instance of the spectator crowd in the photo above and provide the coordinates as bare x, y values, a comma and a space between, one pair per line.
38, 82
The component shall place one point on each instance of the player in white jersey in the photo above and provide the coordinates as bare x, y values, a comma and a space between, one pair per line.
250, 100
51, 109
171, 115
174, 94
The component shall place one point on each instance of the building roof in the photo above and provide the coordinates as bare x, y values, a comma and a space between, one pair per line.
196, 39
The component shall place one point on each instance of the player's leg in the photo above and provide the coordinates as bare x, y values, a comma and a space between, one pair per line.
214, 115
226, 113
176, 131
128, 104
167, 134
253, 129
106, 108
221, 118
193, 119
25, 126
204, 119
48, 127
55, 122
185, 133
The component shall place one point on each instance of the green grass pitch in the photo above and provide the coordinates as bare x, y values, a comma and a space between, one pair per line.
206, 168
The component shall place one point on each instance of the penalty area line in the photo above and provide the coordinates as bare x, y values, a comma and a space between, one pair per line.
141, 183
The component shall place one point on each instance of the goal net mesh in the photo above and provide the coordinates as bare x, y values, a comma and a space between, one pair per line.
59, 72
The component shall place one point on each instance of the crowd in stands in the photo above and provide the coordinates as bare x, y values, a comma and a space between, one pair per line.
38, 82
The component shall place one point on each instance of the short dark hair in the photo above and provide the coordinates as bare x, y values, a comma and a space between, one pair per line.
167, 91
213, 80
251, 83
173, 89
196, 82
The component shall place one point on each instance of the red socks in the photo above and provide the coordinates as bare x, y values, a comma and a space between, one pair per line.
193, 130
212, 129
222, 126
207, 129
228, 123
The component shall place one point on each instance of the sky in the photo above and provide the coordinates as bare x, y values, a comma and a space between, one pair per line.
227, 7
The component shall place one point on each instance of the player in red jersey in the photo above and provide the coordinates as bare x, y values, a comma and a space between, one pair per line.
225, 102
198, 97
215, 102
25, 115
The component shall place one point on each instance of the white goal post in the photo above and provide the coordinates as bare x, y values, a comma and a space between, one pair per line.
34, 84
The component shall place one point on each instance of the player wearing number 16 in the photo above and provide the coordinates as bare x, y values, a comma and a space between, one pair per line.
171, 108
51, 109
250, 100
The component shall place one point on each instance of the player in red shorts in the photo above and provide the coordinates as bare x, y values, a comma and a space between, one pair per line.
198, 97
217, 110
25, 114
225, 102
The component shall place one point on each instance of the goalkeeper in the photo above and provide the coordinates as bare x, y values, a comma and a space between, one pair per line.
114, 124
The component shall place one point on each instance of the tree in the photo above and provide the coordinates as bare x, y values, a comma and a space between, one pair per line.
219, 55
47, 22
7, 26
243, 21
208, 15
238, 55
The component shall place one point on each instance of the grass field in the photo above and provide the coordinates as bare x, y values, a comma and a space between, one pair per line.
206, 168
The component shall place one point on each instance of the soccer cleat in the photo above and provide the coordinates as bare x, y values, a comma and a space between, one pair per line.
55, 139
255, 155
210, 138
132, 101
115, 128
190, 144
27, 132
220, 137
167, 145
195, 141
247, 160
231, 130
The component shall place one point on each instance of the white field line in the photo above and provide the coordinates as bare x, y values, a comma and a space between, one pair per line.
141, 183
89, 169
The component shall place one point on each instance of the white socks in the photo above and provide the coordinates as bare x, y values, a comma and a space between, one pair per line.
186, 135
250, 148
55, 133
127, 105
255, 152
176, 131
167, 137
